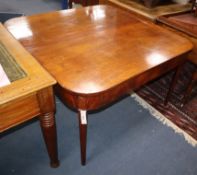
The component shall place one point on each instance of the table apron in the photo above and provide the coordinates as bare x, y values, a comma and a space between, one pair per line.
101, 99
18, 111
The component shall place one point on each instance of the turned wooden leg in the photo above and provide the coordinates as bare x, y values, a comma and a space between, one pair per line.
47, 123
83, 134
173, 83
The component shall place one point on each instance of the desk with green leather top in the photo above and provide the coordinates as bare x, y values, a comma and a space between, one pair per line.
27, 94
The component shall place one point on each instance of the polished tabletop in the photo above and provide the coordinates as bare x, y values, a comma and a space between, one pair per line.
90, 50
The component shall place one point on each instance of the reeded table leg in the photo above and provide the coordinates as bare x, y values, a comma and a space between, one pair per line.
48, 126
83, 134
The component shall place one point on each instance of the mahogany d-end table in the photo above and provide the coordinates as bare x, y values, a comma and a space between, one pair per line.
25, 92
98, 54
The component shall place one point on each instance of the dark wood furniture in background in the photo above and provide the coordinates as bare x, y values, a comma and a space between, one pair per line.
98, 54
147, 3
194, 7
151, 3
185, 24
29, 96
83, 2
192, 82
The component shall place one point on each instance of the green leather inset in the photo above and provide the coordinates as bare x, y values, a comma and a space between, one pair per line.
9, 64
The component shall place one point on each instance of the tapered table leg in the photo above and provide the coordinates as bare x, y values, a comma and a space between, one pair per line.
173, 83
83, 134
48, 126
47, 123
189, 88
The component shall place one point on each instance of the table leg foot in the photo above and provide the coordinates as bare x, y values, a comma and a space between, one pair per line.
83, 134
54, 164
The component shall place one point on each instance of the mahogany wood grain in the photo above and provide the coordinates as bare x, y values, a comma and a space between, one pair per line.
98, 54
28, 97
